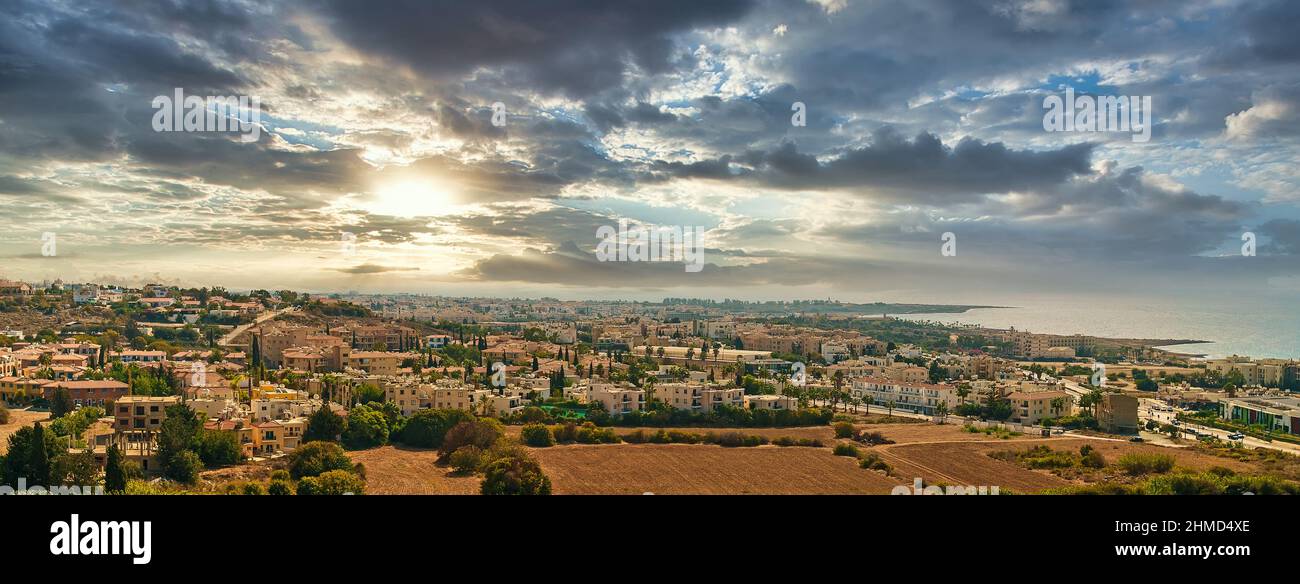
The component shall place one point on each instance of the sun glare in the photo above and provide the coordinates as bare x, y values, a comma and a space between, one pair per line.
411, 198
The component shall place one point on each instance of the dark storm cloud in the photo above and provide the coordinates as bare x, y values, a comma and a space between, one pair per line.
921, 170
1283, 235
578, 47
366, 269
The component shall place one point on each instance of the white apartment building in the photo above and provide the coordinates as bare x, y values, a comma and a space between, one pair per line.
617, 399
921, 398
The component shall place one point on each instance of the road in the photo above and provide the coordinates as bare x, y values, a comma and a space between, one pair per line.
234, 333
1146, 411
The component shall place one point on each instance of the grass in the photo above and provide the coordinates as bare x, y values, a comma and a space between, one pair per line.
1140, 463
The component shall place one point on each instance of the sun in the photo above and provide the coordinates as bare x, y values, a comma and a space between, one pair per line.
411, 198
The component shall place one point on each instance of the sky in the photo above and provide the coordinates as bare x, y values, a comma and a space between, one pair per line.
476, 148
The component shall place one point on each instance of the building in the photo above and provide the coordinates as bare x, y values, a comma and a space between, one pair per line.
1281, 414
139, 413
90, 392
698, 397
915, 397
771, 402
376, 362
1118, 413
132, 356
617, 400
1033, 407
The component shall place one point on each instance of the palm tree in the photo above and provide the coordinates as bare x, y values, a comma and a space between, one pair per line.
890, 405
941, 410
867, 401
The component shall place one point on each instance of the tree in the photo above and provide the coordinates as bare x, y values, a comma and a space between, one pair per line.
481, 432
177, 437
368, 393
38, 458
75, 469
315, 458
61, 403
515, 475
324, 425
537, 435
334, 482
941, 410
218, 448
428, 428
367, 427
115, 471
17, 463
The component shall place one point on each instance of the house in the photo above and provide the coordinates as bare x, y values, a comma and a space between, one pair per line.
132, 356
1033, 407
771, 402
14, 288
90, 391
916, 397
617, 399
1118, 413
139, 413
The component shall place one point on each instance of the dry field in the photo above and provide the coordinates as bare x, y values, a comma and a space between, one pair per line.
397, 471
18, 419
824, 433
705, 469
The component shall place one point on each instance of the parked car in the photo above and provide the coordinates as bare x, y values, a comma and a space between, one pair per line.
1136, 439
1236, 436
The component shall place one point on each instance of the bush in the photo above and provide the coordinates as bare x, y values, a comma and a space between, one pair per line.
1136, 463
324, 425
1091, 457
279, 487
790, 441
4, 415
183, 467
734, 439
428, 428
845, 450
217, 448
480, 432
515, 475
466, 459
280, 475
537, 435
334, 482
872, 461
589, 434
844, 430
253, 489
367, 427
316, 458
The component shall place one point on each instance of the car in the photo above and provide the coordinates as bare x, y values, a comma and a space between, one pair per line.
1136, 439
1236, 436
1176, 423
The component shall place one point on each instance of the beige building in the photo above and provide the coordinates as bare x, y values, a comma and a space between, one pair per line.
1118, 413
1033, 407
616, 399
771, 402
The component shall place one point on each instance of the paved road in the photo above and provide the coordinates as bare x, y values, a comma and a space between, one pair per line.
1147, 412
230, 337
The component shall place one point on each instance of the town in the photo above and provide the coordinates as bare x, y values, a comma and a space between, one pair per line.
169, 389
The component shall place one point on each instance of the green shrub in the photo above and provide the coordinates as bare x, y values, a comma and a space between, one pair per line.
480, 432
1138, 463
253, 489
316, 458
279, 487
428, 428
844, 429
466, 459
589, 434
872, 461
515, 475
334, 482
845, 450
537, 435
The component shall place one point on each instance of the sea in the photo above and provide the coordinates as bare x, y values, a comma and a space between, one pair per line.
1258, 328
